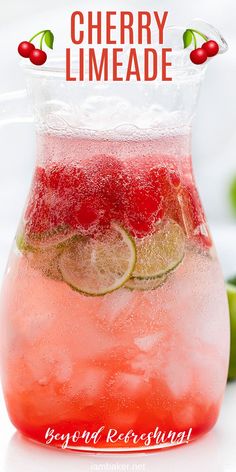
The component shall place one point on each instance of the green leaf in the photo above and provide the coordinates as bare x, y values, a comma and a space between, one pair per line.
49, 39
232, 195
231, 292
187, 38
232, 281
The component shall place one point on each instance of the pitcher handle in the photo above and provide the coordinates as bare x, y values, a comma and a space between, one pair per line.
15, 108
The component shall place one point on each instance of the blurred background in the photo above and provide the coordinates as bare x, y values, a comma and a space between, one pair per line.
214, 137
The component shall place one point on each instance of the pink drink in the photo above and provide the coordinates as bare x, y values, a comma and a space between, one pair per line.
114, 306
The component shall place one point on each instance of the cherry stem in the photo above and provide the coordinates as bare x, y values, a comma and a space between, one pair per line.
195, 40
41, 40
37, 34
200, 34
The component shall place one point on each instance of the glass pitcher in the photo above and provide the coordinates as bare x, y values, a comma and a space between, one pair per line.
115, 332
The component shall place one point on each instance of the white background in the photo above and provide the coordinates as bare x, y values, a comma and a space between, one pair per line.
214, 144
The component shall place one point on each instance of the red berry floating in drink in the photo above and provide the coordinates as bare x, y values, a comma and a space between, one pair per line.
37, 56
199, 55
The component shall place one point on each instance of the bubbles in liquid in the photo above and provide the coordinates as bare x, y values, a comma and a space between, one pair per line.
128, 354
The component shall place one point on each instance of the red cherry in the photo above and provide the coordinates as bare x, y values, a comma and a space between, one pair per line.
143, 203
140, 228
39, 184
37, 217
145, 200
55, 177
211, 47
168, 182
107, 181
67, 188
198, 56
73, 199
175, 179
87, 214
105, 172
38, 57
37, 212
67, 181
193, 217
25, 48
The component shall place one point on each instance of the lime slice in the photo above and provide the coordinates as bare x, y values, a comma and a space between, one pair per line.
145, 284
21, 243
231, 292
42, 253
46, 261
52, 237
160, 252
96, 266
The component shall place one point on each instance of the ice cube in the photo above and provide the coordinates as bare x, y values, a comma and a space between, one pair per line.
35, 325
145, 365
87, 382
63, 369
209, 367
146, 343
115, 306
126, 385
178, 377
48, 363
185, 417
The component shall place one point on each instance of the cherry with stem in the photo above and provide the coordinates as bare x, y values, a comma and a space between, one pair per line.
37, 55
200, 55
